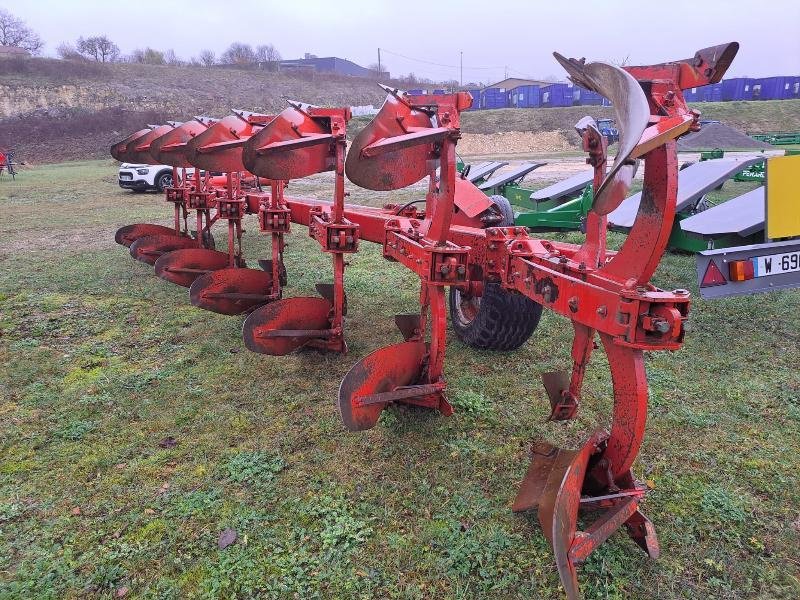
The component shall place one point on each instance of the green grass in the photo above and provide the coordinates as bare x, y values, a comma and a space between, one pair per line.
100, 361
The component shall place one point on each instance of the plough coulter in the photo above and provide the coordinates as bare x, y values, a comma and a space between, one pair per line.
499, 276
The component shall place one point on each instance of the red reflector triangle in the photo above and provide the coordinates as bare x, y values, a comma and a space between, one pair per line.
713, 276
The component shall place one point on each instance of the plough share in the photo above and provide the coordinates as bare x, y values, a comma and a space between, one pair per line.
460, 240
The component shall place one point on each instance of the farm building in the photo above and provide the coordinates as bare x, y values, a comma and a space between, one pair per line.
328, 64
13, 52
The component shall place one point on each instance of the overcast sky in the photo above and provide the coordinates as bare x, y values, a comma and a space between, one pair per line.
494, 35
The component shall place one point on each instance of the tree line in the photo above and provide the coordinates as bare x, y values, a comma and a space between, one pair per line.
101, 49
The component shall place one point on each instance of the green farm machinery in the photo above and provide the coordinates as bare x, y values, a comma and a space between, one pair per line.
565, 205
778, 138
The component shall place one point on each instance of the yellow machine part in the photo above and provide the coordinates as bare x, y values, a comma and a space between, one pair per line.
783, 197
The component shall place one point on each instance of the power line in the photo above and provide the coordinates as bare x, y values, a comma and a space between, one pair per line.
461, 67
429, 62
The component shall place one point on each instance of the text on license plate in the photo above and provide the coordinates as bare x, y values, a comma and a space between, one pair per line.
125, 176
776, 264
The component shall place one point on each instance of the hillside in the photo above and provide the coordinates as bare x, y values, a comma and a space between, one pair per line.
54, 110
771, 115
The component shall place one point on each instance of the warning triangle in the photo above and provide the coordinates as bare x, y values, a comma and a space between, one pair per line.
713, 276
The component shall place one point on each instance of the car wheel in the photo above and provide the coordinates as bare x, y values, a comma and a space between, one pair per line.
164, 181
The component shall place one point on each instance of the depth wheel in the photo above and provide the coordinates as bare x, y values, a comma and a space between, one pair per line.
498, 320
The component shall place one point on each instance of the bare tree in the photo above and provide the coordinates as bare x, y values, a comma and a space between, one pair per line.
268, 56
147, 56
14, 32
207, 58
238, 54
379, 73
98, 47
172, 59
68, 52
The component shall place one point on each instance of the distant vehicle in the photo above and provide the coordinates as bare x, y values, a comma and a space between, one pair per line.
6, 162
607, 129
141, 178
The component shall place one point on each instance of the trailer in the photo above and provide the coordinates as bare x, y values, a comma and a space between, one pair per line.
759, 267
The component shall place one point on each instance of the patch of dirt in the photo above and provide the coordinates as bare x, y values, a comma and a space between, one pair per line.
88, 238
718, 135
513, 142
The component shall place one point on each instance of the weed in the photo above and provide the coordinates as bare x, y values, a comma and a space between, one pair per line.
257, 469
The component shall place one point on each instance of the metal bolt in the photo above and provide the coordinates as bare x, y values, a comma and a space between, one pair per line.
573, 304
661, 325
602, 311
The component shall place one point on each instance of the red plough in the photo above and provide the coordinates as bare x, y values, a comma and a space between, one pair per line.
458, 241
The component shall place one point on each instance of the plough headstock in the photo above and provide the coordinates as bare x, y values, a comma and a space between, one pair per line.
299, 142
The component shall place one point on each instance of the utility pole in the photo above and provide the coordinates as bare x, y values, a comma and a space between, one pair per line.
379, 63
461, 65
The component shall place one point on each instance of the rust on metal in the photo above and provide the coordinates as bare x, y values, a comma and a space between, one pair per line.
231, 291
149, 249
182, 267
286, 325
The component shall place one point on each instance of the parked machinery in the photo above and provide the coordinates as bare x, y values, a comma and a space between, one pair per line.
603, 293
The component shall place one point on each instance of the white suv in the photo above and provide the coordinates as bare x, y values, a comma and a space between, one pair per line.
140, 178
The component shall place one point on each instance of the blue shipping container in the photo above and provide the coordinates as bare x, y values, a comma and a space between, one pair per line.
769, 88
584, 97
740, 88
713, 92
415, 92
695, 94
494, 98
557, 94
791, 88
525, 96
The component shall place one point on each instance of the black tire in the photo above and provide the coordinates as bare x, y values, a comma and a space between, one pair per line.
163, 181
504, 206
498, 320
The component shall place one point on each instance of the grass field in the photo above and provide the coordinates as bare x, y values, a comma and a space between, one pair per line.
135, 429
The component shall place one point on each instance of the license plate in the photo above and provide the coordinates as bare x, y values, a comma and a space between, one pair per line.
125, 176
776, 264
